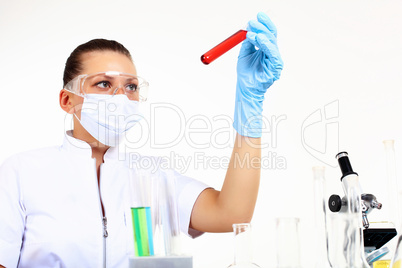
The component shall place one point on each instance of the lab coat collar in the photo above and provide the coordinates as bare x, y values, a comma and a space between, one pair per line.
82, 148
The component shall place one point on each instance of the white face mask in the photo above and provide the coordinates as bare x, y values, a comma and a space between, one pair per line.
107, 118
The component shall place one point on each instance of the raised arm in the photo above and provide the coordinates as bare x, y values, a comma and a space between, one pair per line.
259, 65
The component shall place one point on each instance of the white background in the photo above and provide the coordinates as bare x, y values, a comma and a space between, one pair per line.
345, 55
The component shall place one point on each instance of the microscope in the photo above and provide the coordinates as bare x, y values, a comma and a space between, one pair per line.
374, 238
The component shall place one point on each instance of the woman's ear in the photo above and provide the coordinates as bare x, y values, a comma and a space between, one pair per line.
66, 101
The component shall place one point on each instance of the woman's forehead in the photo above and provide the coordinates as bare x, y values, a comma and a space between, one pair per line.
104, 61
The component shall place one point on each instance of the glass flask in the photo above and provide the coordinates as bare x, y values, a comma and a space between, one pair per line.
287, 243
321, 231
242, 246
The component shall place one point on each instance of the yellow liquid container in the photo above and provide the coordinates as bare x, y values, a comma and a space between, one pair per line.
397, 264
383, 264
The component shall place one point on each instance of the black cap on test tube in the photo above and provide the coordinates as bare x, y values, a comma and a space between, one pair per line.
344, 164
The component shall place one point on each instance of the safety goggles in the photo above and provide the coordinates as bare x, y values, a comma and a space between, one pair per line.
109, 83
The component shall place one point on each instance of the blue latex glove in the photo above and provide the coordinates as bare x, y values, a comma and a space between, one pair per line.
257, 69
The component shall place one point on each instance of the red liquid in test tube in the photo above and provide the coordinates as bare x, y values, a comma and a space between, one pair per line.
224, 47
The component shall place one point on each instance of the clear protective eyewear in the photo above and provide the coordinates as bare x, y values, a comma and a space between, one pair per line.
109, 83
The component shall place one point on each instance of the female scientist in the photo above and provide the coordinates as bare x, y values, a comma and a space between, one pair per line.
65, 206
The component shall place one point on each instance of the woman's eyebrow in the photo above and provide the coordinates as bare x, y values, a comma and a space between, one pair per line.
132, 79
107, 77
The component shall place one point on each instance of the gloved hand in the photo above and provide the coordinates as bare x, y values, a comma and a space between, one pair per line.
257, 69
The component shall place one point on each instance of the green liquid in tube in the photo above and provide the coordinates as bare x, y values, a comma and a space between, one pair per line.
142, 229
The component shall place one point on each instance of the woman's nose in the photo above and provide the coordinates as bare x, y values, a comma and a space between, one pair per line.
119, 90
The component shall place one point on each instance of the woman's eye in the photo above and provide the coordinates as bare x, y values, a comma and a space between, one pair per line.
132, 87
103, 84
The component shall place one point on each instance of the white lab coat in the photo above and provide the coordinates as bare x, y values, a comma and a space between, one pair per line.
50, 213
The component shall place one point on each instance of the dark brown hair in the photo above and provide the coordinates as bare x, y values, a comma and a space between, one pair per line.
73, 64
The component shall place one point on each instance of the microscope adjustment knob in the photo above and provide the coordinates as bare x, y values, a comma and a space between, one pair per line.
335, 203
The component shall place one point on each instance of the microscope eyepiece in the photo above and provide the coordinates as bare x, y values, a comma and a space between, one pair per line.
344, 164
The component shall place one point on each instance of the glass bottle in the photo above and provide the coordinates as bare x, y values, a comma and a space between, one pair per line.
321, 230
287, 242
242, 246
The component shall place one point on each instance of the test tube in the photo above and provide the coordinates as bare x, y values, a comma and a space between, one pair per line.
142, 188
142, 228
223, 47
